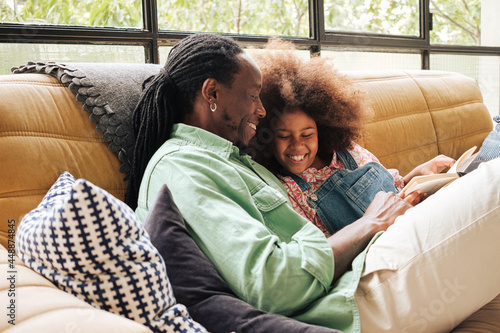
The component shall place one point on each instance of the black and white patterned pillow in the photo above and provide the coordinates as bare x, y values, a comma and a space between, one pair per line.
91, 245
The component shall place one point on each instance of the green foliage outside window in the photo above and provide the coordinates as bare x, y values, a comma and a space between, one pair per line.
455, 21
106, 13
377, 16
269, 17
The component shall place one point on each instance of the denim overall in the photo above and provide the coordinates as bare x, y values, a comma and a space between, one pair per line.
345, 195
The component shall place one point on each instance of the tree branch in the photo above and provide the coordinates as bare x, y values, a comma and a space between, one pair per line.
299, 16
466, 5
238, 19
459, 25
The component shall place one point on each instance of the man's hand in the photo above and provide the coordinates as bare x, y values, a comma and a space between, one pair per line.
349, 241
383, 210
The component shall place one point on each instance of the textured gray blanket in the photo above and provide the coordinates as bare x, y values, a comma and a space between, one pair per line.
109, 92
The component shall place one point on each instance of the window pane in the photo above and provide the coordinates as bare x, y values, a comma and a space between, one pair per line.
366, 61
104, 13
485, 69
471, 22
380, 17
303, 54
14, 55
164, 50
248, 17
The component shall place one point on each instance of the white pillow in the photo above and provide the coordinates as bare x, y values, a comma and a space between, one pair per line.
91, 245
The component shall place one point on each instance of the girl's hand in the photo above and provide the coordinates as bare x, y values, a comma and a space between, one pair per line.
436, 165
413, 198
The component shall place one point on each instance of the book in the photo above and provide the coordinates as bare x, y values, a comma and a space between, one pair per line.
432, 183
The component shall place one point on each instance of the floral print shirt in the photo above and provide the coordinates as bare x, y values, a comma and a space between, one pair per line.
316, 177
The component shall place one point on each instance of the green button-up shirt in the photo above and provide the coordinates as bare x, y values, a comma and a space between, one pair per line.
239, 215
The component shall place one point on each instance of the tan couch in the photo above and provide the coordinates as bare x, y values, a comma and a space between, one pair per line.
44, 131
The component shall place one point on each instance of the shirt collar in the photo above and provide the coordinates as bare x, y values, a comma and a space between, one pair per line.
204, 139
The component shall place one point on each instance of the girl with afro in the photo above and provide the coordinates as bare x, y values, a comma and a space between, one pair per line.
314, 116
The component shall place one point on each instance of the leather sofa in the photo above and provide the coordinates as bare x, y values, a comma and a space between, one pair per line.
44, 130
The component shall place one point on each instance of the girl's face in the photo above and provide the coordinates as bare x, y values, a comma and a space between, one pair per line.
295, 142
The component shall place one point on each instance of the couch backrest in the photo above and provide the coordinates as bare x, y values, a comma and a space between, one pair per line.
43, 132
417, 115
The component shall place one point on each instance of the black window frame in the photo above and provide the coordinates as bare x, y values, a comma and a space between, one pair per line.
151, 38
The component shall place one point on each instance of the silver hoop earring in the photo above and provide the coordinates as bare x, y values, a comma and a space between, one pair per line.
213, 107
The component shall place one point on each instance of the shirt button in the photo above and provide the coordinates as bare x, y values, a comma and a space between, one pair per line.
314, 197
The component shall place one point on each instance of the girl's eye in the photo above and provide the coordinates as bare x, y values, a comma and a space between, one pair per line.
283, 137
307, 136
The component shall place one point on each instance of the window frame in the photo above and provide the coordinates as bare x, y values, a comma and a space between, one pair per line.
151, 38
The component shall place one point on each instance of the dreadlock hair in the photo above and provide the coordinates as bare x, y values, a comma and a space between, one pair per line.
313, 86
169, 96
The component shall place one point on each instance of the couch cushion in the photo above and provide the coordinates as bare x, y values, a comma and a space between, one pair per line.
91, 245
417, 115
198, 285
36, 305
43, 132
109, 93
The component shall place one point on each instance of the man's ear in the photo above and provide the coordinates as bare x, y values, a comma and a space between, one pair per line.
210, 90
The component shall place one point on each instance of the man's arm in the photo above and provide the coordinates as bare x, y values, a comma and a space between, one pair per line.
269, 255
348, 242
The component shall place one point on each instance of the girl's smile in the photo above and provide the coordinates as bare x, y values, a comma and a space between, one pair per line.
295, 142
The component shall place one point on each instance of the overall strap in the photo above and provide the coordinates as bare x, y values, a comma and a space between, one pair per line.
347, 160
345, 157
304, 186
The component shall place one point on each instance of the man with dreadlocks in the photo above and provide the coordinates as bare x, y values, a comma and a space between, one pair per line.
191, 124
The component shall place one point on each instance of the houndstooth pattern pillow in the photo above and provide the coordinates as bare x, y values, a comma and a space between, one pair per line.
91, 245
